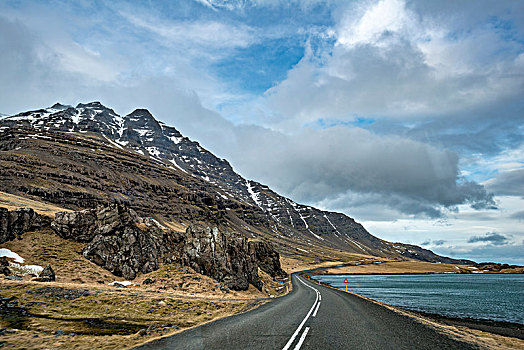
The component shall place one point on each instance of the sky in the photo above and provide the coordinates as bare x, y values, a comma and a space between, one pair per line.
405, 115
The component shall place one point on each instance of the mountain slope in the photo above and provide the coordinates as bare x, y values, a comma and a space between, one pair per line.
81, 156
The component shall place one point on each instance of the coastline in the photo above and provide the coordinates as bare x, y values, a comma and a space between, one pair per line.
496, 327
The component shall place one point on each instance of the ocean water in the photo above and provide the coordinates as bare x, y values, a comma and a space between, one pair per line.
481, 296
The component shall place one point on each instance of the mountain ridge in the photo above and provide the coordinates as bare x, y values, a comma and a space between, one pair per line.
212, 190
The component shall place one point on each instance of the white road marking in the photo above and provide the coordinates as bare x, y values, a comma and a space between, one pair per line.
319, 296
316, 310
299, 344
290, 341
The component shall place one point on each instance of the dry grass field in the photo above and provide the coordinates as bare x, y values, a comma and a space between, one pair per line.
11, 202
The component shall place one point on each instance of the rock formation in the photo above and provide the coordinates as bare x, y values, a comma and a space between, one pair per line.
267, 258
83, 226
224, 256
119, 240
125, 244
14, 223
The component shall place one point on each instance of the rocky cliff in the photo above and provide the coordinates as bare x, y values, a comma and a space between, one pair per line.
224, 256
126, 244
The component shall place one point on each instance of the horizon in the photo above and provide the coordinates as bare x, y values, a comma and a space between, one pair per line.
404, 115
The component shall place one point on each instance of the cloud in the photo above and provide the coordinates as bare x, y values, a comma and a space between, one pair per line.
368, 25
230, 5
510, 254
510, 183
392, 62
336, 168
490, 237
519, 215
344, 168
210, 34
437, 243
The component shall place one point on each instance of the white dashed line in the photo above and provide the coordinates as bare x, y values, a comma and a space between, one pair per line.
290, 341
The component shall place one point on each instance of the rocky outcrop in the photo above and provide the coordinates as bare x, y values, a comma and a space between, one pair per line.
267, 258
119, 240
125, 244
224, 256
131, 249
83, 226
14, 223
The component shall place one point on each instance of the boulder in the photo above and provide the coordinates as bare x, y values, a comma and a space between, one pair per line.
14, 223
224, 256
47, 275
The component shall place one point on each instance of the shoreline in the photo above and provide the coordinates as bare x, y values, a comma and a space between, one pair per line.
503, 328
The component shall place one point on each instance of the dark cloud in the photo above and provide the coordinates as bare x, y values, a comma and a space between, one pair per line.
438, 242
509, 183
490, 237
341, 168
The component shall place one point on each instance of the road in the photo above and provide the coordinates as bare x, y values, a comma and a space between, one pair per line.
312, 317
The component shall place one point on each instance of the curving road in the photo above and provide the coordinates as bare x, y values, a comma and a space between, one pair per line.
312, 317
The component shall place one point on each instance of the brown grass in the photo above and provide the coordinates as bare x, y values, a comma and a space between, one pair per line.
45, 247
113, 311
11, 202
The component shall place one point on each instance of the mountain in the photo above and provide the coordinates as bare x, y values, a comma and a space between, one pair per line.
79, 157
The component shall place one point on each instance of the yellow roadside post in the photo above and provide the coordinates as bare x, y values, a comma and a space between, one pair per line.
346, 282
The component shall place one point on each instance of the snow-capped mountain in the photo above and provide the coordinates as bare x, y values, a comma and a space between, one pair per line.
248, 206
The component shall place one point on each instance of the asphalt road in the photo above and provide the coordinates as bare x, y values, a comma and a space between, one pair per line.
312, 317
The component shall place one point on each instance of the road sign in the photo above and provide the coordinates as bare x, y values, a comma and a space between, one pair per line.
346, 282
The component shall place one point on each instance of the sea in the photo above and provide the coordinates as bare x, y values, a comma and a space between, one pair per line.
497, 297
